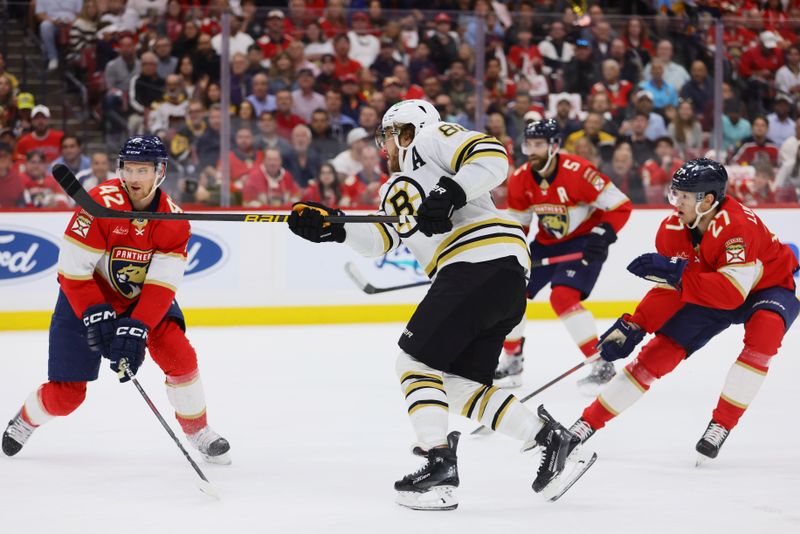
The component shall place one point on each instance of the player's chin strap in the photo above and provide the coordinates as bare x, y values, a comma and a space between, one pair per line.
401, 150
552, 150
161, 171
701, 214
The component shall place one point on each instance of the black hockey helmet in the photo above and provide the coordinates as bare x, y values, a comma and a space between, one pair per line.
703, 176
544, 129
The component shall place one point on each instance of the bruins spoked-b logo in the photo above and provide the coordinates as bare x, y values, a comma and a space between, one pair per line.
403, 198
554, 219
128, 268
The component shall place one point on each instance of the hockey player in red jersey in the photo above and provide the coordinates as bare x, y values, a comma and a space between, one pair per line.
717, 264
579, 210
118, 280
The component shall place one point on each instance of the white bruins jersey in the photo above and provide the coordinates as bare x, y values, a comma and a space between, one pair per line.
478, 163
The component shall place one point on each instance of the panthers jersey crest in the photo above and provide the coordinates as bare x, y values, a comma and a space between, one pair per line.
128, 269
554, 218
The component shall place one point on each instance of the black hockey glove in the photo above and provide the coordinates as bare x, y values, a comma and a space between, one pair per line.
308, 221
130, 340
433, 215
619, 341
597, 243
101, 323
657, 268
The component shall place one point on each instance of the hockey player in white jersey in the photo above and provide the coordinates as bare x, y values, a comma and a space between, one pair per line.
479, 262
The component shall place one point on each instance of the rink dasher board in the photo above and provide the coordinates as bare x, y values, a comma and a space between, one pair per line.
249, 274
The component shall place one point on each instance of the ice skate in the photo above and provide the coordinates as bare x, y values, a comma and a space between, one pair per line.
16, 434
601, 374
433, 486
213, 448
709, 445
562, 462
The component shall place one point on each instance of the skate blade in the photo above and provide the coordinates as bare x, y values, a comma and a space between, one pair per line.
481, 431
701, 460
508, 382
222, 459
577, 464
208, 489
438, 498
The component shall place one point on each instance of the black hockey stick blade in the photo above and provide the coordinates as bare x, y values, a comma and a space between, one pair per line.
364, 285
75, 190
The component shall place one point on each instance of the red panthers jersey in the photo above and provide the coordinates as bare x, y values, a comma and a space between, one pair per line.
123, 262
575, 199
737, 255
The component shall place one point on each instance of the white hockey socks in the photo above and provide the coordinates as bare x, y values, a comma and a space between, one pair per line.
426, 400
186, 395
34, 411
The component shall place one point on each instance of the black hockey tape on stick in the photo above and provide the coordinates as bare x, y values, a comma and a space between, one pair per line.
75, 190
481, 430
367, 287
203, 484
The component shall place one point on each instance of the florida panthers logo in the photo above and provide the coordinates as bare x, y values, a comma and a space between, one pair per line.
554, 219
128, 270
403, 198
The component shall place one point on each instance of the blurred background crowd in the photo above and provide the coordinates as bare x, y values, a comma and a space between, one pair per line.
291, 110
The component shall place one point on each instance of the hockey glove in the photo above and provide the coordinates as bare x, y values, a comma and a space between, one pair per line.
597, 243
433, 215
130, 340
658, 268
101, 323
619, 341
308, 221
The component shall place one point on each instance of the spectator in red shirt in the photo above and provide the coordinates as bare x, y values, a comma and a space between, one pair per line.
364, 186
243, 158
618, 90
326, 189
43, 138
275, 39
757, 147
409, 91
758, 66
41, 189
12, 189
756, 191
657, 172
284, 118
269, 184
341, 54
334, 22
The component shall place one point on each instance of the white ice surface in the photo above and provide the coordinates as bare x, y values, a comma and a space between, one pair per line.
319, 433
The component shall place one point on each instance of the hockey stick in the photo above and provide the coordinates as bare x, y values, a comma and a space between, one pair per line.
482, 430
203, 484
364, 285
75, 190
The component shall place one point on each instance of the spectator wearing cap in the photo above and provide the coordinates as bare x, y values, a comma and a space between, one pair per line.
284, 118
341, 53
385, 63
364, 47
351, 101
304, 99
41, 189
787, 78
260, 98
458, 85
556, 51
269, 184
349, 160
43, 138
239, 40
12, 188
758, 66
699, 90
581, 73
674, 74
72, 155
756, 147
98, 172
52, 15
322, 138
643, 101
735, 128
303, 161
339, 122
25, 105
276, 39
662, 92
565, 117
443, 43
781, 125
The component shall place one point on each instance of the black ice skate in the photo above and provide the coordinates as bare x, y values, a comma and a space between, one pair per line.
601, 374
711, 442
562, 462
16, 434
212, 447
432, 487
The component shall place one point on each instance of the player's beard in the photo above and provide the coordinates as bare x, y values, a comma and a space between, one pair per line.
394, 162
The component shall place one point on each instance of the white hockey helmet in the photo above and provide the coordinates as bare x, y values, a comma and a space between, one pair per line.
418, 113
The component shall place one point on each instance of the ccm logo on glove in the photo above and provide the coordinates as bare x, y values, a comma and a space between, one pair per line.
99, 316
132, 331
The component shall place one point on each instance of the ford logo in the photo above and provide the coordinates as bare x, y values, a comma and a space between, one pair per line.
24, 254
203, 253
